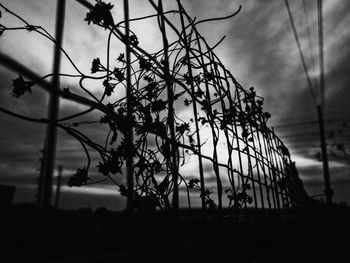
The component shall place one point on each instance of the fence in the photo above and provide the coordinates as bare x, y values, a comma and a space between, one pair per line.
186, 134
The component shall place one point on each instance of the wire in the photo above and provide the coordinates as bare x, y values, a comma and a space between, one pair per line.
300, 52
313, 62
288, 125
320, 42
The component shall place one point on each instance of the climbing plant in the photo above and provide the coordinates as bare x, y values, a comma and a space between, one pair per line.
183, 128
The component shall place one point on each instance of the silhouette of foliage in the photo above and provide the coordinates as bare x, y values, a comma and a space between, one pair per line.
20, 86
100, 14
182, 99
79, 178
95, 65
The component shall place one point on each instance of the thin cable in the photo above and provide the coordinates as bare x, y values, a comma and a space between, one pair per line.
288, 125
320, 42
300, 52
312, 53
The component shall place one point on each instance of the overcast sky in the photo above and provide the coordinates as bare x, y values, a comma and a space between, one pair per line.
259, 50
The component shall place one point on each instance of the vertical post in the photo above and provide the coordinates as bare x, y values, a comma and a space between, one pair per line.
327, 184
247, 152
39, 200
58, 187
171, 120
195, 112
270, 153
51, 136
129, 136
320, 108
262, 160
211, 123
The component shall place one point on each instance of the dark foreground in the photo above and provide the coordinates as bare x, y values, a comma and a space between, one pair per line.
311, 235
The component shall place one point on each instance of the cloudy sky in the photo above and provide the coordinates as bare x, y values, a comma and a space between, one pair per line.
259, 50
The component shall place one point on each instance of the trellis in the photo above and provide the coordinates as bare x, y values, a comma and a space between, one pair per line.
185, 130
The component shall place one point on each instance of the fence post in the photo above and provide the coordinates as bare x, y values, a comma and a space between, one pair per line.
195, 111
51, 137
171, 120
129, 136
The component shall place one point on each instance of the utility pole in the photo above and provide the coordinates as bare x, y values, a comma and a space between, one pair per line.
51, 136
58, 187
320, 108
39, 200
327, 184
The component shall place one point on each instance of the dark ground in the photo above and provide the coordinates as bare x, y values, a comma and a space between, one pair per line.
311, 235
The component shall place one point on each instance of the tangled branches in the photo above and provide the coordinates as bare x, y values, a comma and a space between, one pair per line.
185, 105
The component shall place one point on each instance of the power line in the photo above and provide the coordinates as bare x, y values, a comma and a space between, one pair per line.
300, 51
321, 57
329, 133
344, 121
288, 125
312, 62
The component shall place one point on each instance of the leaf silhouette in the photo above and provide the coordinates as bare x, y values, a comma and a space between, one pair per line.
182, 128
20, 86
134, 40
121, 58
79, 178
158, 105
108, 87
95, 65
100, 14
144, 64
118, 74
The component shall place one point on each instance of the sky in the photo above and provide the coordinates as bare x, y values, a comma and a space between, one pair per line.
259, 49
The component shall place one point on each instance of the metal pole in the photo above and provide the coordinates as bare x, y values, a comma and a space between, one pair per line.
320, 108
39, 200
327, 184
188, 61
171, 121
129, 136
58, 187
51, 136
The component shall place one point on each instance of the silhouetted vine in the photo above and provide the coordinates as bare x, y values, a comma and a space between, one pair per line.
185, 105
